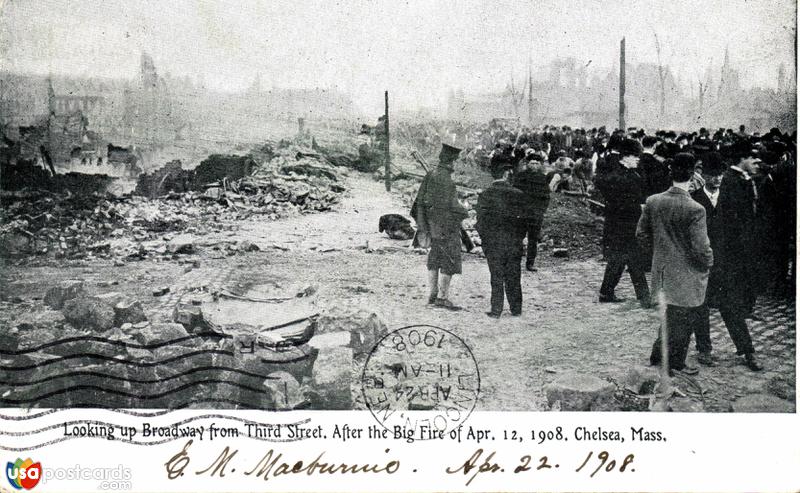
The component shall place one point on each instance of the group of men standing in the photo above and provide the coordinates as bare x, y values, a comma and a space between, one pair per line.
690, 220
699, 237
507, 211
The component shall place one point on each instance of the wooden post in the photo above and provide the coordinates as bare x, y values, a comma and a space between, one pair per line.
386, 163
622, 84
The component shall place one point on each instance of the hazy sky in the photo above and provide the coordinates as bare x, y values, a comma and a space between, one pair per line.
416, 49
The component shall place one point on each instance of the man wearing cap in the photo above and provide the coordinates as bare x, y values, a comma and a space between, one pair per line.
623, 192
501, 223
531, 180
675, 225
439, 216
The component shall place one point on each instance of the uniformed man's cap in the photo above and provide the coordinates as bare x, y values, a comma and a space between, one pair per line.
448, 154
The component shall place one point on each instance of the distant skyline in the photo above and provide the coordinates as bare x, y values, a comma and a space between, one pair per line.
418, 50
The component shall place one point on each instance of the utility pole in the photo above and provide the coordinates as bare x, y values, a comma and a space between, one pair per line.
622, 84
530, 93
386, 164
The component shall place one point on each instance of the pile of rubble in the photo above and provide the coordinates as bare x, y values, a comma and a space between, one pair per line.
67, 225
100, 350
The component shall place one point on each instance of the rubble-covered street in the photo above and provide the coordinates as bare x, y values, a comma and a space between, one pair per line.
213, 269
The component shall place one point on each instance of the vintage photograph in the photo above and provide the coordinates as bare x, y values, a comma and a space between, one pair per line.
385, 206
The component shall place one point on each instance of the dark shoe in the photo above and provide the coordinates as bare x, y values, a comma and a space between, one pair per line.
752, 363
610, 299
529, 266
493, 314
646, 303
432, 299
516, 314
705, 359
689, 370
445, 303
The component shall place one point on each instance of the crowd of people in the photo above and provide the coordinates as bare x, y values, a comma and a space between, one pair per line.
711, 216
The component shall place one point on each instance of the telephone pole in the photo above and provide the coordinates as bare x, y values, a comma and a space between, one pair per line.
622, 84
386, 164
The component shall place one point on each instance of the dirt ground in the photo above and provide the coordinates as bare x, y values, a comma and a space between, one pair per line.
341, 253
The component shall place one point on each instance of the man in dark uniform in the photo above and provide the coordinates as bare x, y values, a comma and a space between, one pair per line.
623, 193
501, 224
439, 216
531, 180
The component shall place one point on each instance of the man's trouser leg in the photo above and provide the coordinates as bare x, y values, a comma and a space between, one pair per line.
737, 327
681, 322
513, 283
702, 333
534, 227
639, 280
444, 286
433, 284
614, 269
496, 278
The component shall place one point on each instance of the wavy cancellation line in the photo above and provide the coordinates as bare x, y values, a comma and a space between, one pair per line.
177, 423
141, 364
105, 340
190, 371
129, 395
128, 412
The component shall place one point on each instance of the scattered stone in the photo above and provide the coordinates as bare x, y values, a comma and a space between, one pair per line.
762, 403
560, 252
161, 291
331, 376
89, 313
285, 391
128, 312
323, 342
111, 299
66, 290
183, 243
190, 316
306, 291
577, 391
782, 387
685, 405
365, 328
159, 333
248, 246
640, 380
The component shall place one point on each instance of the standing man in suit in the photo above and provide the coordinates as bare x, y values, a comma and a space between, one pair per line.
737, 252
708, 197
654, 171
439, 216
502, 226
676, 227
623, 192
531, 180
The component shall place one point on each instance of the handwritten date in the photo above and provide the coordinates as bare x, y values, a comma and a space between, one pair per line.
478, 464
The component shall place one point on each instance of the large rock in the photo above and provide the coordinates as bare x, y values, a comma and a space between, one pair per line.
190, 316
331, 378
365, 328
159, 333
285, 390
89, 313
324, 342
66, 290
577, 392
128, 312
762, 403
